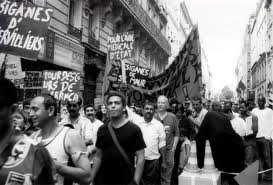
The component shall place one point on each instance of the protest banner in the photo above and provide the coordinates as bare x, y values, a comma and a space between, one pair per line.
182, 79
13, 68
63, 85
121, 46
33, 80
136, 75
23, 28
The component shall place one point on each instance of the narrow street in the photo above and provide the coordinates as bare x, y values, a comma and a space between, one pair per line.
136, 92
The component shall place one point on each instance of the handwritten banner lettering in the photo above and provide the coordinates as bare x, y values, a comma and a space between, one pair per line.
121, 46
33, 80
23, 28
136, 75
13, 68
63, 85
183, 78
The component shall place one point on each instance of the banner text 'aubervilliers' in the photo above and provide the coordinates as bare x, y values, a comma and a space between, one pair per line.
19, 11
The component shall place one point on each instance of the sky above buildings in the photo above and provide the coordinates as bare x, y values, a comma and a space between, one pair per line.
221, 26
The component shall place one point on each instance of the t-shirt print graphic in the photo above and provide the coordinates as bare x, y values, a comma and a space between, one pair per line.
16, 179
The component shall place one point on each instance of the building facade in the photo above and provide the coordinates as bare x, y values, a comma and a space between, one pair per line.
78, 32
178, 27
254, 66
261, 52
206, 77
243, 68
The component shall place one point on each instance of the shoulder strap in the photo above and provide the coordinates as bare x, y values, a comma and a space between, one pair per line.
47, 143
119, 147
64, 141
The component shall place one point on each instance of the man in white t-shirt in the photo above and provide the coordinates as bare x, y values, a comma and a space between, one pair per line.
91, 130
237, 123
264, 135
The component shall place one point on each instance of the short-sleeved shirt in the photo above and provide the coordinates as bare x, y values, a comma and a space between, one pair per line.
79, 124
25, 158
114, 169
265, 120
170, 123
154, 137
239, 125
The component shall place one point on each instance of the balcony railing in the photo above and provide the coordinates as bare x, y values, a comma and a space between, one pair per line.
75, 32
143, 18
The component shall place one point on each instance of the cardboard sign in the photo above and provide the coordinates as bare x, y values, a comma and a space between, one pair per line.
23, 28
121, 46
63, 85
13, 68
136, 75
33, 80
182, 79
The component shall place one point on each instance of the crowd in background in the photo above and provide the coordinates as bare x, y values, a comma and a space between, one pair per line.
143, 145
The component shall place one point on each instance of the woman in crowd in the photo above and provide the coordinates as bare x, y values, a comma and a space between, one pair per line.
19, 120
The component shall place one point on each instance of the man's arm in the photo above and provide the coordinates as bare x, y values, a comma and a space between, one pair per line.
162, 152
133, 117
175, 142
182, 163
77, 150
176, 134
195, 121
140, 160
96, 164
162, 143
255, 124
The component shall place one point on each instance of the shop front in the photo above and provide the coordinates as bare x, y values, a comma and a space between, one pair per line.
59, 54
94, 65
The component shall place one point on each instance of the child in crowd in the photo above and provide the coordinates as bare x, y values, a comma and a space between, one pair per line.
184, 151
19, 120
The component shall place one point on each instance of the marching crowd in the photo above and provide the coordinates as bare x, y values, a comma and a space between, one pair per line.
121, 145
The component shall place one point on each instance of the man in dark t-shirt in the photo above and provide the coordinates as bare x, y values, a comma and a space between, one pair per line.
110, 167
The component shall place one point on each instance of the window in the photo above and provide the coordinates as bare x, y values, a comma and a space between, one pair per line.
75, 13
71, 12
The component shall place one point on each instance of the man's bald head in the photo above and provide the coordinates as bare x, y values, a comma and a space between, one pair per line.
216, 106
162, 103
